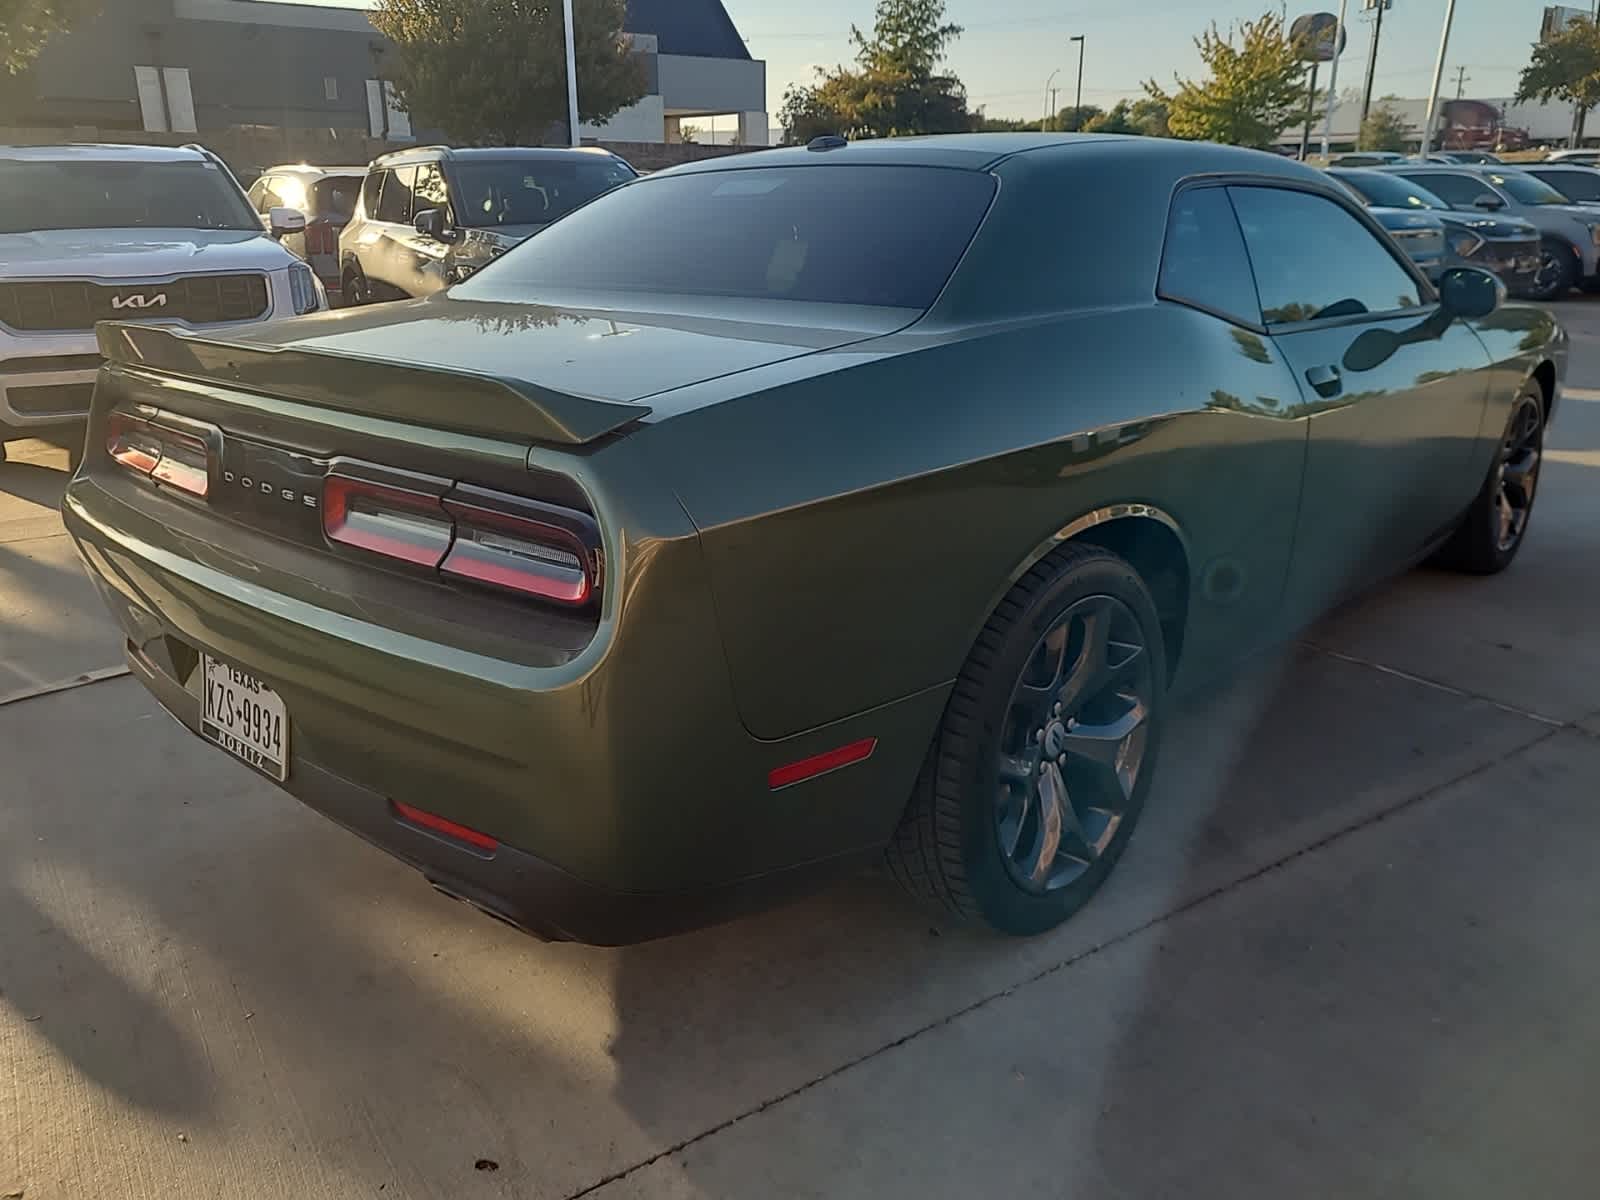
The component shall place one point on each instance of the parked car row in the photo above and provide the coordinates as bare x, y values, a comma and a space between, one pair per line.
1536, 227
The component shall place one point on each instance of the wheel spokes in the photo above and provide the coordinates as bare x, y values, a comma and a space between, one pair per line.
1521, 474
1053, 802
1099, 747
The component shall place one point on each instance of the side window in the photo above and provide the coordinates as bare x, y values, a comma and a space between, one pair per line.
370, 189
1458, 191
1204, 262
1314, 260
431, 189
395, 202
266, 194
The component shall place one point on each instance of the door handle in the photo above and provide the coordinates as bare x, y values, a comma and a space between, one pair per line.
1325, 380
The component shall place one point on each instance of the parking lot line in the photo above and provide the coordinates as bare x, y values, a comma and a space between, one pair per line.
99, 675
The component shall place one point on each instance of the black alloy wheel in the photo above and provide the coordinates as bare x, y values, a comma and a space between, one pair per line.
1073, 744
1039, 770
1496, 525
1557, 273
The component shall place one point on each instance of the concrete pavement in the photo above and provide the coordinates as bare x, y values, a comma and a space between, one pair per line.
1349, 953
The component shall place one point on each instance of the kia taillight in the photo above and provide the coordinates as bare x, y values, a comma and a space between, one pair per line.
495, 539
157, 448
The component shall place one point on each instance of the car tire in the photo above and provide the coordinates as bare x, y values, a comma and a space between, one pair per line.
1559, 271
1489, 536
356, 289
1038, 772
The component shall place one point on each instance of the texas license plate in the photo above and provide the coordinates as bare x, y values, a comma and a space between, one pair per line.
246, 718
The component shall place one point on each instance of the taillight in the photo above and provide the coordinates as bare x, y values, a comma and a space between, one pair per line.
152, 447
523, 546
468, 533
399, 517
321, 238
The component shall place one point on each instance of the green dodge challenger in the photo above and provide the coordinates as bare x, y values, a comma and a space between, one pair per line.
794, 509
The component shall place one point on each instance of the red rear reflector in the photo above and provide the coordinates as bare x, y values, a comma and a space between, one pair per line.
821, 764
449, 828
391, 521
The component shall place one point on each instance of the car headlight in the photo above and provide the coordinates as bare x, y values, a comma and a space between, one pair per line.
303, 288
1465, 243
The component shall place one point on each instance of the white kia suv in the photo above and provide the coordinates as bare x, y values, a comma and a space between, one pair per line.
144, 233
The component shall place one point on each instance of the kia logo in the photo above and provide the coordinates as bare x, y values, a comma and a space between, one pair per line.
139, 300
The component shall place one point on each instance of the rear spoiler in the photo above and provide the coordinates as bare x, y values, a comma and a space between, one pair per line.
441, 399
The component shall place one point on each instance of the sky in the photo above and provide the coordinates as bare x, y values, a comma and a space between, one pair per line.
1010, 47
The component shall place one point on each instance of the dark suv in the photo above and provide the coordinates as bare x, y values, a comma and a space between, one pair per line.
429, 217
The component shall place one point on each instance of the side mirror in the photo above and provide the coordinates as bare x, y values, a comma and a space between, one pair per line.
1489, 203
283, 221
1469, 293
431, 222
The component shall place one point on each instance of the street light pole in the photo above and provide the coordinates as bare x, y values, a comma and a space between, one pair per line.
572, 76
1049, 110
1438, 77
1077, 108
1333, 78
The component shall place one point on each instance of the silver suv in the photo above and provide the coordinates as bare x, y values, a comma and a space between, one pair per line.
1569, 234
124, 233
430, 216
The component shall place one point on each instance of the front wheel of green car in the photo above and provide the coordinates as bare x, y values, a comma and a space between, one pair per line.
1040, 767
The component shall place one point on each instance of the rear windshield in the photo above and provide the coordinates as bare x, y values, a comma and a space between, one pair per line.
120, 195
530, 191
335, 196
1390, 191
1574, 185
885, 236
1526, 189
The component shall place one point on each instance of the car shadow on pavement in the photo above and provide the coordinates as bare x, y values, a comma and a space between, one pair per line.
30, 481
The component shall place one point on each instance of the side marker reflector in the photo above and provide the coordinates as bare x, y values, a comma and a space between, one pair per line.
821, 764
450, 829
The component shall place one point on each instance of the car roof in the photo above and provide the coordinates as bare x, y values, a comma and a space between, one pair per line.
87, 152
318, 172
981, 151
417, 154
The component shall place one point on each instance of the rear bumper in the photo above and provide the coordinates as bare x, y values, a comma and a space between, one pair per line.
508, 884
626, 797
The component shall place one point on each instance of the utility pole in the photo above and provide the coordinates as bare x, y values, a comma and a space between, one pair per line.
1461, 82
1372, 56
572, 75
1438, 76
1077, 111
1333, 77
1053, 92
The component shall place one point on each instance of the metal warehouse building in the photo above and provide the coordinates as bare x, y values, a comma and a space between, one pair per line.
204, 66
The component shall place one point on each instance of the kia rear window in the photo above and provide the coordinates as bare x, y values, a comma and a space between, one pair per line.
869, 235
120, 195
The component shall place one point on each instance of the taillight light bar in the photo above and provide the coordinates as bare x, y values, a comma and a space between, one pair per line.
506, 542
388, 518
152, 447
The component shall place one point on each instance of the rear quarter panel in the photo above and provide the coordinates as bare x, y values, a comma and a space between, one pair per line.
1519, 339
861, 524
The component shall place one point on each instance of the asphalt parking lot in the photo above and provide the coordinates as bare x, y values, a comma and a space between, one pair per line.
1350, 952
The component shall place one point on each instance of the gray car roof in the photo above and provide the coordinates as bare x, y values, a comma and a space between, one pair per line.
980, 151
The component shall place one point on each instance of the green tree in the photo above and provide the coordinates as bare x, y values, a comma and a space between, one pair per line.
1567, 67
25, 26
1255, 91
1384, 129
1118, 120
1073, 118
1149, 116
494, 71
895, 87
